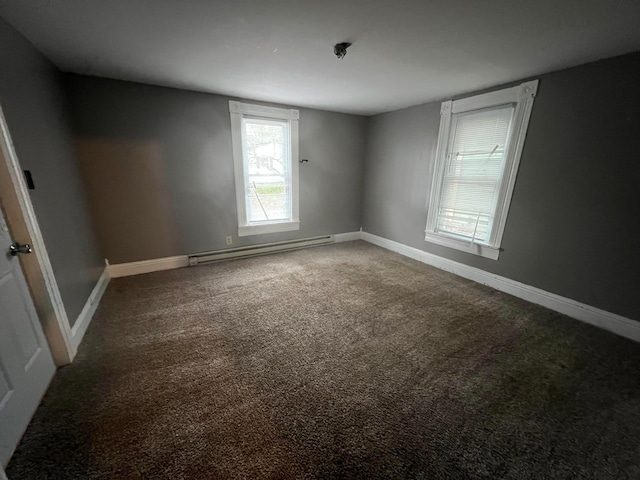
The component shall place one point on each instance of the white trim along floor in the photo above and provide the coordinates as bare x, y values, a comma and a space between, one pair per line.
600, 318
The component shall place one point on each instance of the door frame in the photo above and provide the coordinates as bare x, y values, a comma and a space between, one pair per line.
38, 271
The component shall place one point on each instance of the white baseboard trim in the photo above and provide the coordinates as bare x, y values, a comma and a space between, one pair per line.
169, 263
600, 318
148, 266
346, 237
84, 319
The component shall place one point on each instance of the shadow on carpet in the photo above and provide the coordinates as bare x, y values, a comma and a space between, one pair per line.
345, 361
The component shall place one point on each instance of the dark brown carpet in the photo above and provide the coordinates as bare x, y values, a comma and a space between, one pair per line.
345, 361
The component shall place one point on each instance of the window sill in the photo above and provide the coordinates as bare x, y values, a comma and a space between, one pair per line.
473, 248
259, 229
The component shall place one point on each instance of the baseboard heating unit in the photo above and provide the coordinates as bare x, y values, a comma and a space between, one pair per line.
255, 250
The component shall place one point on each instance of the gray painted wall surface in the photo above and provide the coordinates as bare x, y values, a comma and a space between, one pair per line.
574, 222
33, 104
158, 167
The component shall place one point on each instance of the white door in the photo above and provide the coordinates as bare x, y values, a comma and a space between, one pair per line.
26, 365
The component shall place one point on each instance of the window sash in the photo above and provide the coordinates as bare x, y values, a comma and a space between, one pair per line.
262, 206
475, 159
441, 228
275, 182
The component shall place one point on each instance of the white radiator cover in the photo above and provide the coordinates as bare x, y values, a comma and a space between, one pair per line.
255, 250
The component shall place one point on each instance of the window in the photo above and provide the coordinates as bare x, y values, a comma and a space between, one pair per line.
479, 147
265, 153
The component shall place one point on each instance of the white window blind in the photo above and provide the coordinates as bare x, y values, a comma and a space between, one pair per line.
267, 167
479, 147
473, 172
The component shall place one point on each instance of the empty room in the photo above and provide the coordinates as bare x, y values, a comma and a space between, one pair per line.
319, 240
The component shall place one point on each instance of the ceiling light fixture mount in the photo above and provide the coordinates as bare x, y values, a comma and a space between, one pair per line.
340, 49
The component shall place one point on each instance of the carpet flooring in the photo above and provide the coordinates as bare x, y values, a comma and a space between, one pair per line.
345, 361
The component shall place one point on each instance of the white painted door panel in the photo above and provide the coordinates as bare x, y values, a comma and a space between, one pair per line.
26, 365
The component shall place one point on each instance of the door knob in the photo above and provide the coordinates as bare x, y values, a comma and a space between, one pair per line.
17, 248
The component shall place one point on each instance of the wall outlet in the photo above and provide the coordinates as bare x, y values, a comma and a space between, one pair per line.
229, 240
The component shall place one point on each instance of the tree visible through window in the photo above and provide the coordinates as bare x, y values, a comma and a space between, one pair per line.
268, 170
265, 150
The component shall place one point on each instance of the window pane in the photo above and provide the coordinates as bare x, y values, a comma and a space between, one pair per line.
268, 170
473, 172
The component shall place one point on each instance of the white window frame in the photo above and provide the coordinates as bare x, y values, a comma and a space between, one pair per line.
521, 96
237, 111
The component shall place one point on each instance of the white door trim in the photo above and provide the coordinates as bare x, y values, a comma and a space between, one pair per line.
21, 217
86, 315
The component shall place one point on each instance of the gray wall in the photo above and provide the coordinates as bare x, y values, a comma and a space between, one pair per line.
33, 104
159, 169
574, 222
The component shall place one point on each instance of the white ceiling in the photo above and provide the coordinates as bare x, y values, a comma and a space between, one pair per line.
404, 52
